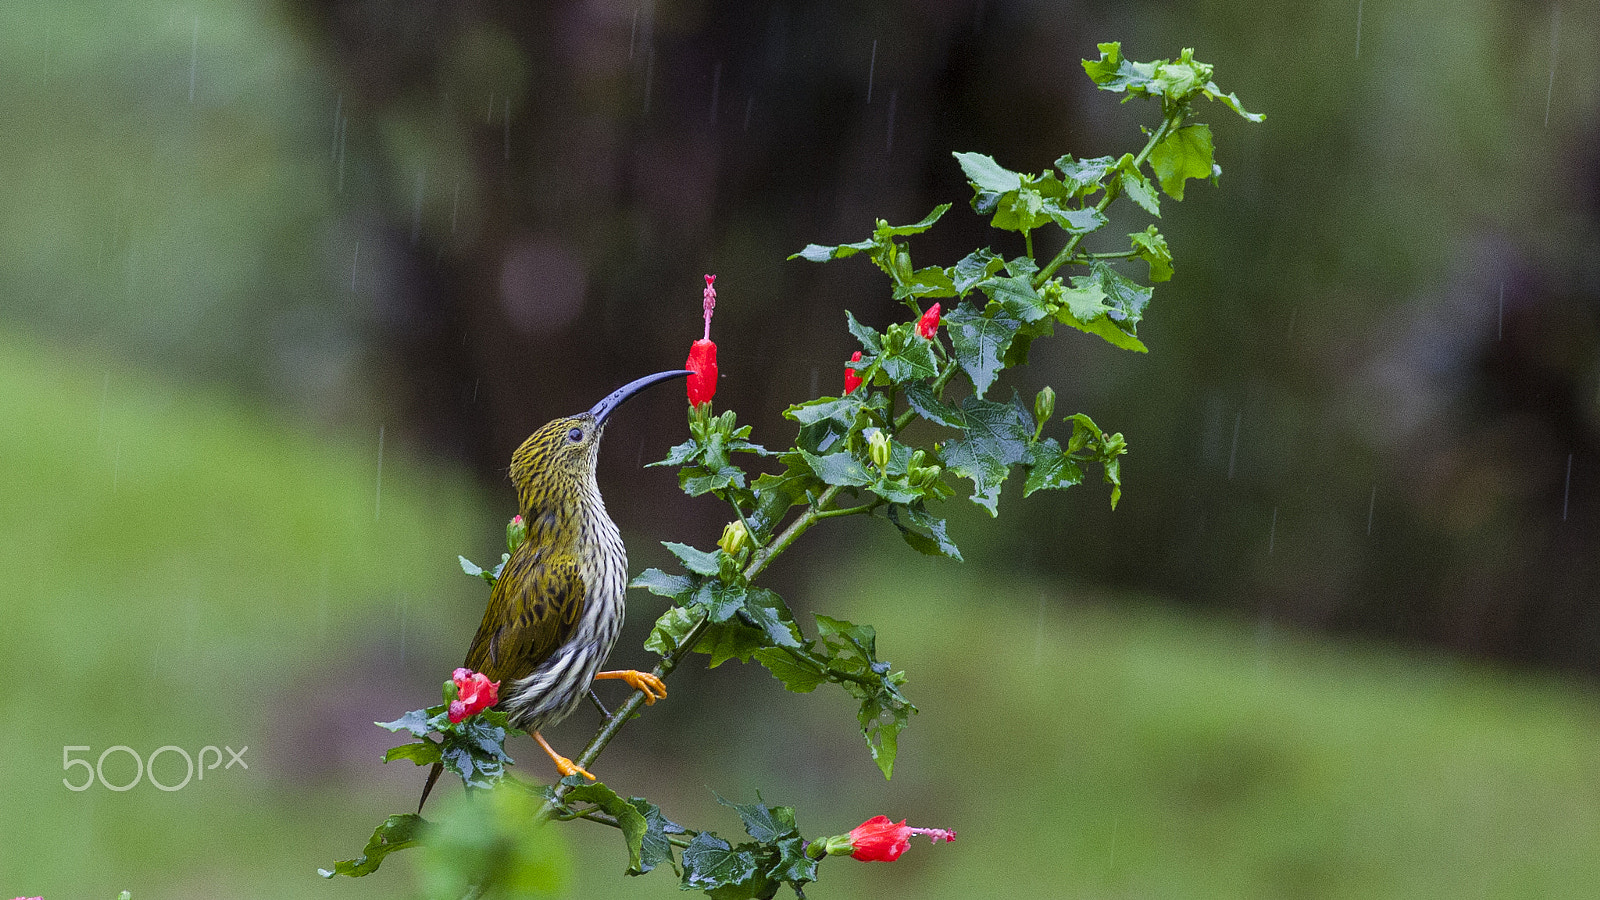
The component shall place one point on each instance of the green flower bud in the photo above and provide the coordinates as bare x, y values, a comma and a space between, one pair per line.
917, 456
1044, 404
516, 533
878, 448
735, 537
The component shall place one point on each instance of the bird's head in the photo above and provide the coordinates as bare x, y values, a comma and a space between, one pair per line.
560, 457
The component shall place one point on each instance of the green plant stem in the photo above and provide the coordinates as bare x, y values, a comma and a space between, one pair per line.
848, 511
595, 815
1169, 123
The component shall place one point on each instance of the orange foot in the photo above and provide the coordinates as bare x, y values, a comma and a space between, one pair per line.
652, 687
563, 765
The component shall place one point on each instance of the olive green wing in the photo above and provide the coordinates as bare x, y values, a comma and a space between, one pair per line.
535, 605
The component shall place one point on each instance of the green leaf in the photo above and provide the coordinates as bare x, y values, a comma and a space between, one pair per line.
1137, 187
767, 612
469, 567
676, 587
1084, 308
670, 630
881, 727
1230, 100
839, 468
710, 863
1181, 155
654, 848
855, 646
762, 822
921, 398
798, 675
996, 437
973, 268
1082, 177
932, 281
1075, 220
424, 752
396, 833
634, 825
697, 561
776, 494
682, 453
884, 710
732, 639
1126, 298
1084, 301
924, 532
696, 481
870, 340
1017, 297
1050, 468
720, 601
1113, 73
986, 174
793, 865
417, 721
913, 361
885, 230
475, 750
819, 253
1152, 248
980, 343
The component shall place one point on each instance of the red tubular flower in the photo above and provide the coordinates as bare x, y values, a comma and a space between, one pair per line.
928, 325
475, 693
703, 354
880, 840
851, 379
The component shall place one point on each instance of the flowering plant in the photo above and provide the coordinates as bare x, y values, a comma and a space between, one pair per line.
919, 413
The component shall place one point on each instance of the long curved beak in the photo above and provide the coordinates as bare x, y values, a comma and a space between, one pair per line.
617, 397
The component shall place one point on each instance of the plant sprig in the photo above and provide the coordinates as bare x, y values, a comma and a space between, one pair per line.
857, 454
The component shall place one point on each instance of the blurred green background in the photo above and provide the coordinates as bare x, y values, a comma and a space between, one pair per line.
285, 283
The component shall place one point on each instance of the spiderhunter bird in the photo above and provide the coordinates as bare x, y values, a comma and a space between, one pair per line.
557, 607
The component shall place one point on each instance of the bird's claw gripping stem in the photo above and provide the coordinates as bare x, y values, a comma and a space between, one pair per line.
652, 687
563, 765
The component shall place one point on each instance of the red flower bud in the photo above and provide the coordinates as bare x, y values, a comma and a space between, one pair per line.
703, 363
880, 840
851, 379
928, 325
475, 693
702, 360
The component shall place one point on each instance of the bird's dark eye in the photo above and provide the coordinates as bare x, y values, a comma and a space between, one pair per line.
575, 435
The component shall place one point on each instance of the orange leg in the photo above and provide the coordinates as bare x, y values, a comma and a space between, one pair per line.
563, 765
652, 687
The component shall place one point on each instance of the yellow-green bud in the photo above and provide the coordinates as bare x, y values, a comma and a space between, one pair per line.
516, 533
734, 537
917, 456
878, 448
1044, 406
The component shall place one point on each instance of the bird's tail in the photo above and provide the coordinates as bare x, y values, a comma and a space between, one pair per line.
428, 788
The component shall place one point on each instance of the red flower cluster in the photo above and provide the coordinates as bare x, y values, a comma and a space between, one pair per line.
702, 360
928, 325
851, 379
474, 694
880, 840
